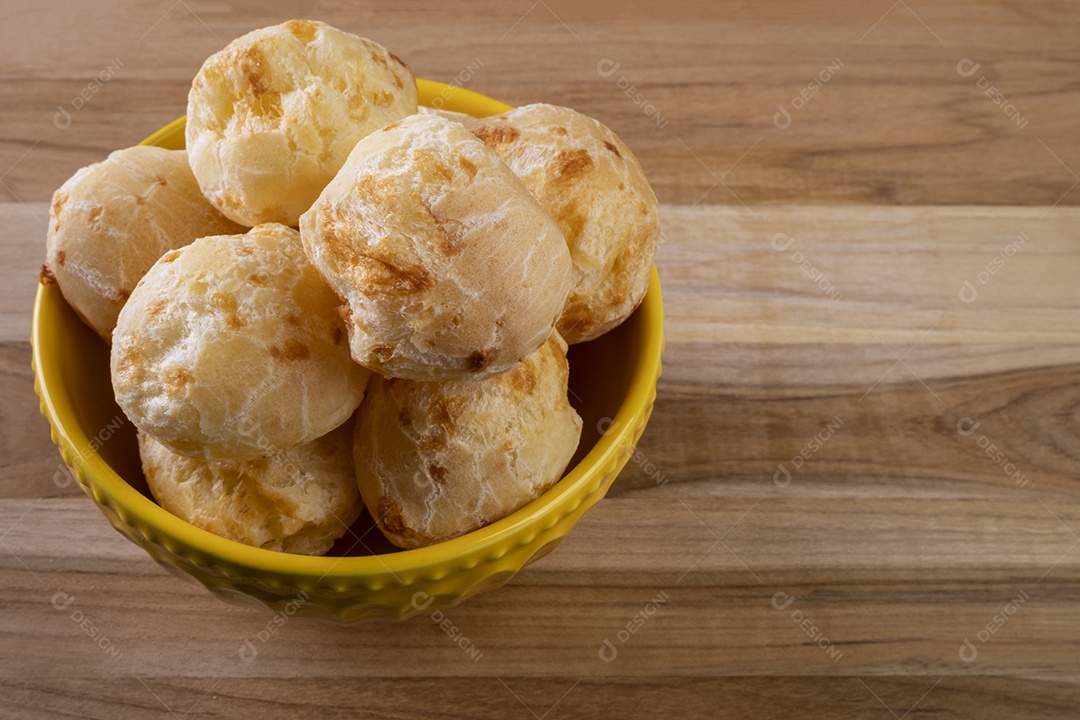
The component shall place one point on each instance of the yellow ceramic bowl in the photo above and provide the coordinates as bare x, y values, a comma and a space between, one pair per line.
613, 381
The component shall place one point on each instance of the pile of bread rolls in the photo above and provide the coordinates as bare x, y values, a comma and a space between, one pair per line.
334, 298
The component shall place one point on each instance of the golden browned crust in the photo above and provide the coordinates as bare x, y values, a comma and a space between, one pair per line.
594, 187
298, 501
216, 366
449, 266
273, 116
112, 220
435, 460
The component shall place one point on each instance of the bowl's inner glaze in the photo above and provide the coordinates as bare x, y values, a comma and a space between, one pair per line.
600, 375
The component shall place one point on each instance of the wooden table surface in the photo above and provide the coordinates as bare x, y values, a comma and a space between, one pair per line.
859, 495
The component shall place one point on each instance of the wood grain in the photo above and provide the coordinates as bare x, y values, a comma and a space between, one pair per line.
843, 429
895, 124
886, 612
899, 538
665, 695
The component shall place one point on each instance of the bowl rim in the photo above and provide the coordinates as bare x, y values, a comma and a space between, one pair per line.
484, 542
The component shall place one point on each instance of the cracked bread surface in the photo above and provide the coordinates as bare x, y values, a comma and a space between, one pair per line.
449, 267
299, 500
591, 183
273, 115
111, 221
436, 460
232, 348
